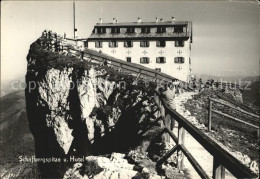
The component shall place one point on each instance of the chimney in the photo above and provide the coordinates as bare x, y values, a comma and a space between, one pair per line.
114, 20
139, 20
161, 20
100, 20
173, 19
157, 20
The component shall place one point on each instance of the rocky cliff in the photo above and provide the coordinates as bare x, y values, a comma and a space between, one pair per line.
77, 109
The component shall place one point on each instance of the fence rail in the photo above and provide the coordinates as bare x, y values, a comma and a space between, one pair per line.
211, 100
222, 159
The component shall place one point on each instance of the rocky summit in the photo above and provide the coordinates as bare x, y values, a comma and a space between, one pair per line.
77, 109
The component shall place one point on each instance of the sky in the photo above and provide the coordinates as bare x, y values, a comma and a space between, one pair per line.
225, 33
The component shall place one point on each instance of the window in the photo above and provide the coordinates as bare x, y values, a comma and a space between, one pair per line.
128, 59
144, 60
161, 29
179, 60
98, 44
113, 44
158, 69
160, 43
144, 44
115, 30
128, 43
178, 29
160, 60
101, 30
145, 30
130, 30
179, 43
86, 44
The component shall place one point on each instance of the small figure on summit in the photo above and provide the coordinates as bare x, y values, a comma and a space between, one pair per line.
82, 51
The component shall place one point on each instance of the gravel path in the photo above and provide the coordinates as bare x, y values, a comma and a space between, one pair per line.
198, 152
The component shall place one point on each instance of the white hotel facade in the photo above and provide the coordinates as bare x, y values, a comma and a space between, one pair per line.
161, 45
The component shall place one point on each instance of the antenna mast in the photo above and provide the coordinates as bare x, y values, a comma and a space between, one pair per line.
74, 28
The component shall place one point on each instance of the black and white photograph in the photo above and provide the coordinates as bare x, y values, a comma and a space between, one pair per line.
130, 89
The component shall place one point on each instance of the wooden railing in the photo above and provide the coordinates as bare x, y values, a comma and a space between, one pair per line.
211, 100
221, 158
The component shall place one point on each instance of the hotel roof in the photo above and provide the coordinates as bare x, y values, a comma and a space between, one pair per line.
132, 36
127, 24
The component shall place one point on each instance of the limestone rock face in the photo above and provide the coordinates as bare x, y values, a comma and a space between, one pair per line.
87, 93
59, 109
53, 94
75, 109
57, 93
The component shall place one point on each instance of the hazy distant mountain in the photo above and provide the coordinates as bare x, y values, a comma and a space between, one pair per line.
232, 79
251, 95
9, 86
15, 139
252, 79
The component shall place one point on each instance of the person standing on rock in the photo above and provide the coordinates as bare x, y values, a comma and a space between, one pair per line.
82, 51
176, 85
169, 95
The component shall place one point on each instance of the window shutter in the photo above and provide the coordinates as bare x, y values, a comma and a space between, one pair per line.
140, 60
157, 43
131, 43
141, 43
125, 43
163, 43
96, 44
100, 44
164, 59
157, 60
116, 43
182, 60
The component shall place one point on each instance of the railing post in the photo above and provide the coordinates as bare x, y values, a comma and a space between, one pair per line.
181, 141
209, 115
155, 78
157, 101
218, 169
162, 110
167, 123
